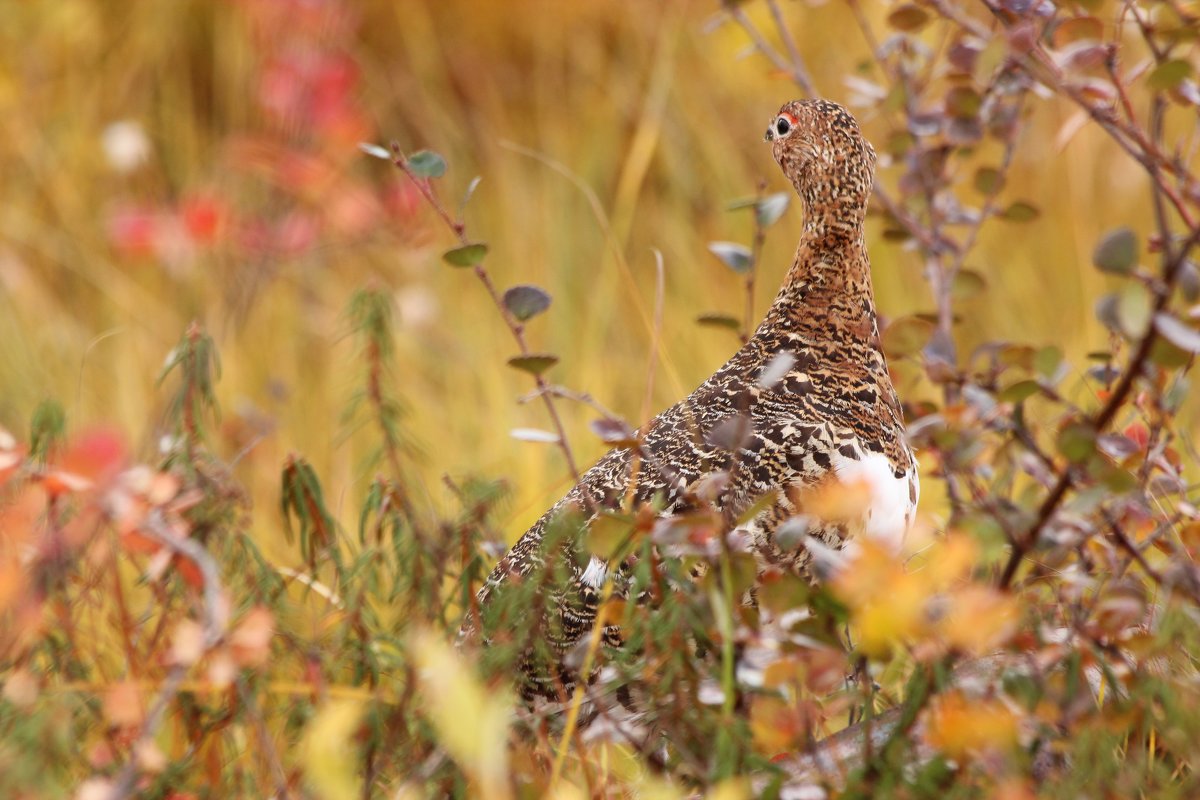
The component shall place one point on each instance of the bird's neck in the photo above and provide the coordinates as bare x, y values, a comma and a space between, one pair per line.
830, 279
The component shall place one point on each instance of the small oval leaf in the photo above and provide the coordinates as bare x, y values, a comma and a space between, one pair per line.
768, 210
375, 150
1117, 252
735, 256
614, 431
1134, 307
906, 337
716, 320
989, 180
533, 363
1169, 74
533, 435
426, 164
1077, 442
1019, 391
908, 17
1177, 332
967, 284
525, 301
1020, 211
466, 256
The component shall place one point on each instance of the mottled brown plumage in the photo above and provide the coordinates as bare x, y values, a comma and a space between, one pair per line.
832, 413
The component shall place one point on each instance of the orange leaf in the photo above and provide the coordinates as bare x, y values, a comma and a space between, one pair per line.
123, 705
250, 642
959, 726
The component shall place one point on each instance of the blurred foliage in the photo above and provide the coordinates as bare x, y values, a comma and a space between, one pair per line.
196, 167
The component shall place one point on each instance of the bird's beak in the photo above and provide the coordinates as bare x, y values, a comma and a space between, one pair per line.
770, 135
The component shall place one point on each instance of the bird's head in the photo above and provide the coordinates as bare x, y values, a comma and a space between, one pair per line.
823, 153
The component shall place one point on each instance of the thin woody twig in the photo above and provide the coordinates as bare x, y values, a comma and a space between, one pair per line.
514, 326
795, 70
156, 527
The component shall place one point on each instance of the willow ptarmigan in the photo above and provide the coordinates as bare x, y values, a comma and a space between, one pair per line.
812, 383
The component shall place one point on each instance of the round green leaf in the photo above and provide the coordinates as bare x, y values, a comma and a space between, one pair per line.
1046, 361
1169, 74
466, 256
426, 164
906, 336
1117, 252
1077, 442
525, 302
1134, 306
989, 180
608, 535
963, 102
967, 284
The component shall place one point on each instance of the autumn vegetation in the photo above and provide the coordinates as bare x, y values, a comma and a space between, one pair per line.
307, 309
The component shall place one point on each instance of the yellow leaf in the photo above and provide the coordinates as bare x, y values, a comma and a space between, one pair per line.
978, 619
950, 561
331, 763
837, 501
471, 720
887, 622
775, 724
732, 789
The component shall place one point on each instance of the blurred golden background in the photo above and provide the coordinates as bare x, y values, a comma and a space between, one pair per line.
164, 162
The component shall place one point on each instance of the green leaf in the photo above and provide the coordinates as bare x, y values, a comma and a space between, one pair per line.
963, 102
989, 180
715, 320
1117, 252
1169, 74
1077, 442
1177, 332
1189, 281
735, 256
1021, 211
1046, 361
1134, 306
609, 534
768, 211
1019, 391
967, 284
426, 164
533, 363
466, 256
906, 336
1106, 311
908, 17
525, 301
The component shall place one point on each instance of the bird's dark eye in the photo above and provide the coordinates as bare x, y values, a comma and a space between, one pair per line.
782, 126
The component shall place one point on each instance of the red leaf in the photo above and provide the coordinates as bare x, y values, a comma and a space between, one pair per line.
201, 216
